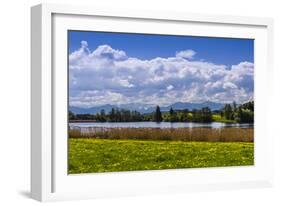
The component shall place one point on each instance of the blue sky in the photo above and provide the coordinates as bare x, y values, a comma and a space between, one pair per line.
226, 51
117, 68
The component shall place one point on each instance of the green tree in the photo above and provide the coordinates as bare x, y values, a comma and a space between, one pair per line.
101, 117
234, 106
171, 111
112, 115
185, 116
244, 115
206, 114
202, 115
227, 112
173, 115
118, 116
196, 115
248, 105
158, 115
71, 115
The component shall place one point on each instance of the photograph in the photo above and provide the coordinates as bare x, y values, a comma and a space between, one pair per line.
139, 102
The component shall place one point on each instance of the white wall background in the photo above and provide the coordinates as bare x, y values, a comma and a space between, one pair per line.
15, 101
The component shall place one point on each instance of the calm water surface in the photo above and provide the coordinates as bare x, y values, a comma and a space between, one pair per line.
158, 125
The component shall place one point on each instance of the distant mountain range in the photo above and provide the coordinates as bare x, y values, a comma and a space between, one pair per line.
146, 108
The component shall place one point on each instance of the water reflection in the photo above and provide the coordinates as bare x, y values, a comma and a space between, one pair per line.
216, 125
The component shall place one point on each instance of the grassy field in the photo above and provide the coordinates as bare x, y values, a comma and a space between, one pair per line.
88, 155
218, 118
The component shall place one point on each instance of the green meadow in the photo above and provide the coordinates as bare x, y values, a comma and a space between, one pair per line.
89, 155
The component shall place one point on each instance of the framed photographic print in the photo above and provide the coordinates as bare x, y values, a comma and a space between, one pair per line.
134, 102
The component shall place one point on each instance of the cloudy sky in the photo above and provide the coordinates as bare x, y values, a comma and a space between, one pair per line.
115, 68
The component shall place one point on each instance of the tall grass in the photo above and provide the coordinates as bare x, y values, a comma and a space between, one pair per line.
179, 134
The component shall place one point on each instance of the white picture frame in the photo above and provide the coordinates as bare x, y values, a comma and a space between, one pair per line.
49, 178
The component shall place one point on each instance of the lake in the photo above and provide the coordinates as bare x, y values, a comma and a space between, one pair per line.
216, 125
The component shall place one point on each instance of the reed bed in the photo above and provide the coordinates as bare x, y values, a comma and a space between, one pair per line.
177, 134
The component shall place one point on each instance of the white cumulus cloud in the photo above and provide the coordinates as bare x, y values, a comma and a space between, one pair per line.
188, 54
108, 76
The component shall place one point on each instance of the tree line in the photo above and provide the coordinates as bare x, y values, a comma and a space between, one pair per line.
241, 114
229, 113
115, 115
